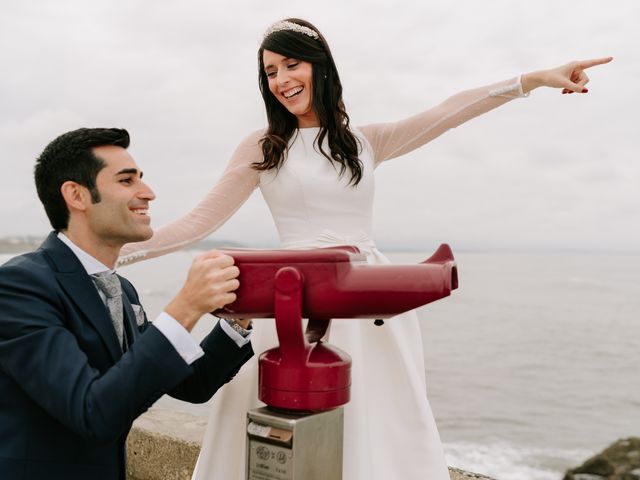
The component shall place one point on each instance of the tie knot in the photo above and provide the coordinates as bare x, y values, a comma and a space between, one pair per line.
109, 284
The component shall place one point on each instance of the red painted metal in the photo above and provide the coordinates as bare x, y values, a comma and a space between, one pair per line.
303, 372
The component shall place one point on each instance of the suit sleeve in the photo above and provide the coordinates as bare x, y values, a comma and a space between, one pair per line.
39, 353
221, 361
208, 376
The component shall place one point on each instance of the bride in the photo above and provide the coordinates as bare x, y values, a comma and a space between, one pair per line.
316, 173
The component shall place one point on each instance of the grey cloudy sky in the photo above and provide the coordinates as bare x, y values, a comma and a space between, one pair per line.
548, 172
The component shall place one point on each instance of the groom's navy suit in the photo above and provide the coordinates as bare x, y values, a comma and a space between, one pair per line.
68, 395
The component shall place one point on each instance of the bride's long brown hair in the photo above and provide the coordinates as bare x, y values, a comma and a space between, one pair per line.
327, 103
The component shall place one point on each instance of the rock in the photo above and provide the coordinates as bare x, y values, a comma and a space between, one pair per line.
457, 474
619, 461
587, 476
164, 445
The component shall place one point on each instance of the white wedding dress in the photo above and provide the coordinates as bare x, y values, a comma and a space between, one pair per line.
389, 430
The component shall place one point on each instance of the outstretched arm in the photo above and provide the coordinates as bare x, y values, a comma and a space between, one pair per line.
235, 186
390, 140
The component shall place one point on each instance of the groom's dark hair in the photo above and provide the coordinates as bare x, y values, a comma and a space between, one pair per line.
70, 157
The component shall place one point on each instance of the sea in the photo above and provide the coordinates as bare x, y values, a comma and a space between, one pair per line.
532, 364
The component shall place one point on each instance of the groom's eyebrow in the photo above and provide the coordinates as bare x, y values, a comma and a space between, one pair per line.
126, 171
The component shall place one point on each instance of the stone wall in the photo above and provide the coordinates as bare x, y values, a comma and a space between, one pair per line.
164, 445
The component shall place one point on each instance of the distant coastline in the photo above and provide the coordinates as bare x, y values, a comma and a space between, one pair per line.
26, 243
19, 243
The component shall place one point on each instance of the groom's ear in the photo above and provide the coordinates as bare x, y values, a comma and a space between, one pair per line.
76, 196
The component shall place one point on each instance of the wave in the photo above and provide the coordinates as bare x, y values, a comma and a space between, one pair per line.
504, 461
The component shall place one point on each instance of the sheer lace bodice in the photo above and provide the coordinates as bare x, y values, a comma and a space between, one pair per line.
305, 199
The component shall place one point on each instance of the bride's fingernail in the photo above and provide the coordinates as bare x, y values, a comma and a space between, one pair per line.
585, 90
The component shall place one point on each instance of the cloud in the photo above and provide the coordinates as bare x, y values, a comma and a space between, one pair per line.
550, 171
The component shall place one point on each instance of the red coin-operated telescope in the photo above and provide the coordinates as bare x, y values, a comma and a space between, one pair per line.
304, 373
305, 379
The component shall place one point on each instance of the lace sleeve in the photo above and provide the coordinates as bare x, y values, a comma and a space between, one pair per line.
235, 186
390, 140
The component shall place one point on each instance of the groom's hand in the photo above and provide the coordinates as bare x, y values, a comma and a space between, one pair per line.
210, 284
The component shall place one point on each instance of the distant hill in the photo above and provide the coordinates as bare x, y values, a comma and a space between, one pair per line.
26, 243
18, 244
208, 244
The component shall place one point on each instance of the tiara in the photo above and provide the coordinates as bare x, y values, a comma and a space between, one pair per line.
293, 27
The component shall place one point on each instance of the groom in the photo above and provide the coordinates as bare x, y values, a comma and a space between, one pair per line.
79, 360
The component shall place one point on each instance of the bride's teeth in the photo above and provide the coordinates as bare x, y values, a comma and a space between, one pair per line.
293, 92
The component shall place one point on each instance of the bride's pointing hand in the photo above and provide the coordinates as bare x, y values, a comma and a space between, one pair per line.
570, 77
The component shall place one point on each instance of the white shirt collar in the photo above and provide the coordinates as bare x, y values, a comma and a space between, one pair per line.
90, 264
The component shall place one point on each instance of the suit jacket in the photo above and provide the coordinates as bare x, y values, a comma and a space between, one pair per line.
68, 395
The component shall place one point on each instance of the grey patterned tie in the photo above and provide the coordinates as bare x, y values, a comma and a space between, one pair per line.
109, 284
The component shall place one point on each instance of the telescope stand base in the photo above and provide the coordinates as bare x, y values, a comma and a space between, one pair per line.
294, 445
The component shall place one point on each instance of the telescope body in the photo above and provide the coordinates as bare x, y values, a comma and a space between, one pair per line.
338, 283
304, 373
